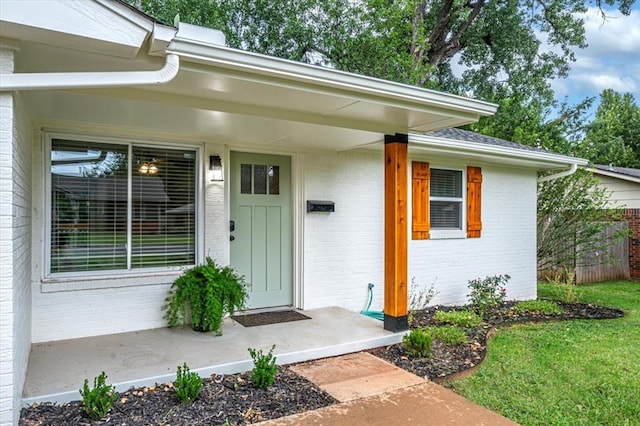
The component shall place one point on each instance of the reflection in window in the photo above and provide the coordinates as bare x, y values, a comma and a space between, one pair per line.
260, 179
90, 200
245, 178
274, 180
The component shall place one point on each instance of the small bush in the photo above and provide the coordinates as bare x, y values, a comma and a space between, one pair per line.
264, 367
457, 318
447, 334
537, 307
418, 343
565, 286
187, 384
97, 402
419, 297
487, 294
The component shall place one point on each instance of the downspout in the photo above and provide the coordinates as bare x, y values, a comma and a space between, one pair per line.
559, 175
78, 80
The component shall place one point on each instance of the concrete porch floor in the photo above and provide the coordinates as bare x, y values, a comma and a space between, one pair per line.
57, 369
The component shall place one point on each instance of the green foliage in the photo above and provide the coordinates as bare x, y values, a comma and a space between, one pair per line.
97, 401
458, 318
187, 384
417, 343
572, 213
613, 137
564, 286
264, 367
537, 307
487, 294
447, 334
209, 291
568, 372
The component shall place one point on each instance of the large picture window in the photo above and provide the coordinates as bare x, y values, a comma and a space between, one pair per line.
121, 206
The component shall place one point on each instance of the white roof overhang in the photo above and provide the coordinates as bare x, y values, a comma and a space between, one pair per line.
613, 174
219, 94
486, 153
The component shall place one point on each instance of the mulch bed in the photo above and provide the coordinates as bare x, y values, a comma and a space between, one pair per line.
447, 362
233, 399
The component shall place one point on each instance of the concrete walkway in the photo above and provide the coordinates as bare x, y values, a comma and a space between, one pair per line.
374, 392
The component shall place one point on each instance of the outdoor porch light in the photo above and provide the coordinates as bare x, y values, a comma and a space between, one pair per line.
215, 168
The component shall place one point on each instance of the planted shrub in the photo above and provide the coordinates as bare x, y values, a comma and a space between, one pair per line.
203, 295
419, 297
418, 343
537, 307
447, 334
187, 384
264, 367
97, 401
463, 318
487, 294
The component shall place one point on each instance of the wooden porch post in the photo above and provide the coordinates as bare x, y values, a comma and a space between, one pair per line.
395, 232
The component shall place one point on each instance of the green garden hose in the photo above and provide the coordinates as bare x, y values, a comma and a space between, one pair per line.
379, 315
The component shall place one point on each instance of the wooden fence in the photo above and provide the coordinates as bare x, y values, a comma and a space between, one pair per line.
612, 264
594, 266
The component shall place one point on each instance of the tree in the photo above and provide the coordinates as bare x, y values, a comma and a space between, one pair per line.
613, 137
572, 213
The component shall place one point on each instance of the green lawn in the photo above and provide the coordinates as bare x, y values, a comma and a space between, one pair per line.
583, 372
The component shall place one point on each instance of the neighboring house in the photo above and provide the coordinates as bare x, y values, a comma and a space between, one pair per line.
624, 185
110, 122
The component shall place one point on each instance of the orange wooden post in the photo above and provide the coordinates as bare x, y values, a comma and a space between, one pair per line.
395, 232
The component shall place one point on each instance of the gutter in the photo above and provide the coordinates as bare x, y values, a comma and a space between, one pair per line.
78, 80
555, 176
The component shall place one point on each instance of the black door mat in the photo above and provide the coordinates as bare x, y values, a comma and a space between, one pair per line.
266, 318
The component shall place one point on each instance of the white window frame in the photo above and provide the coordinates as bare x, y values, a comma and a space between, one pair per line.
102, 275
439, 233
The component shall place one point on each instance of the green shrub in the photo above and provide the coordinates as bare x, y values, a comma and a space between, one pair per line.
418, 343
264, 367
537, 307
458, 318
447, 334
97, 402
187, 384
487, 294
208, 292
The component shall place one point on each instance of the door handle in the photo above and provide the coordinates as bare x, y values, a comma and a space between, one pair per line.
231, 238
232, 225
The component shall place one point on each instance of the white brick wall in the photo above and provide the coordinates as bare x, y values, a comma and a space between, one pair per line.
343, 251
15, 247
90, 307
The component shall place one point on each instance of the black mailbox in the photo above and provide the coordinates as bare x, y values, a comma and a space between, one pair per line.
321, 206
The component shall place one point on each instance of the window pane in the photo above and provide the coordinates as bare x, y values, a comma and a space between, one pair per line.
163, 207
88, 206
245, 178
446, 183
446, 214
260, 179
274, 180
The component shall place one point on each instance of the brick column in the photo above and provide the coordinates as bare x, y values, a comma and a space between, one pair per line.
633, 217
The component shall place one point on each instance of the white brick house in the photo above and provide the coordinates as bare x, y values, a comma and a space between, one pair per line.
110, 122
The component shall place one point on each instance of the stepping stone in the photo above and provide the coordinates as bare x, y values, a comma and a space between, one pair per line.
355, 376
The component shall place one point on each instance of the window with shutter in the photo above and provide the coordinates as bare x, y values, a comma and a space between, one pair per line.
438, 202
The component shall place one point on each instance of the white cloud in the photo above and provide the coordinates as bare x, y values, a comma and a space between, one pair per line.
612, 59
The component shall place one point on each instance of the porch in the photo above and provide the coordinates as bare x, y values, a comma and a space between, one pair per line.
57, 369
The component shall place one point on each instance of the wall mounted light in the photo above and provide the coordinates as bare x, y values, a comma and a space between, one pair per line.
215, 168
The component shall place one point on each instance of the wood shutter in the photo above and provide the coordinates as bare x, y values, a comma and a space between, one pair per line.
474, 202
420, 176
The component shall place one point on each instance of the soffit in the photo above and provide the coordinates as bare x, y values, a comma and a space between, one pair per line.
81, 25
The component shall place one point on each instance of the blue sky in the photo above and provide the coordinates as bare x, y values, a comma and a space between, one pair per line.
612, 59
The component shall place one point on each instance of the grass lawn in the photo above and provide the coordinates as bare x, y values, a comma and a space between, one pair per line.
581, 372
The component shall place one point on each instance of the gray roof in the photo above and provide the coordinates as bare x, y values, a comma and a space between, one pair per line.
468, 136
625, 171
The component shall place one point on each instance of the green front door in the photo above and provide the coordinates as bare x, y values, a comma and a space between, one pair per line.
261, 226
